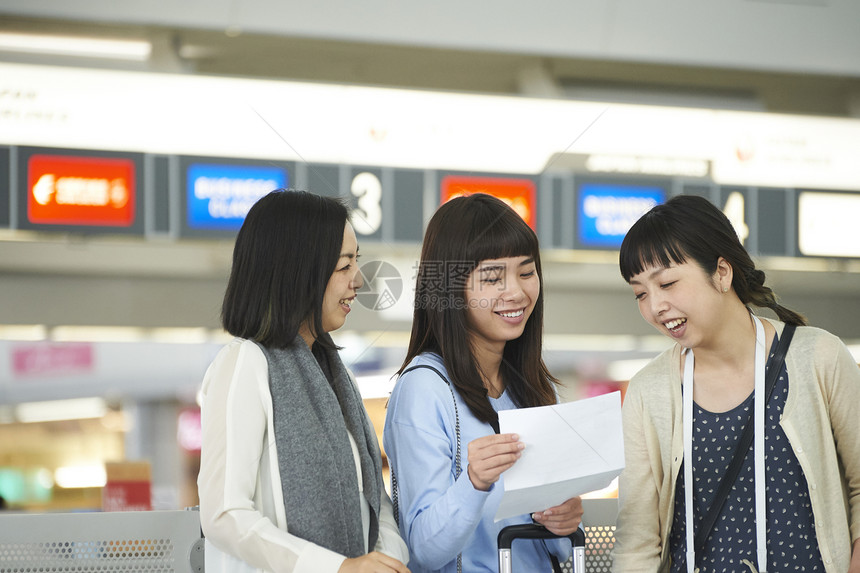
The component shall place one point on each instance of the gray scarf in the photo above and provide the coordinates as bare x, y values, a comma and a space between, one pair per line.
315, 403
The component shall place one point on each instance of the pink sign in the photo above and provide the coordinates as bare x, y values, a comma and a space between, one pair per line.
51, 359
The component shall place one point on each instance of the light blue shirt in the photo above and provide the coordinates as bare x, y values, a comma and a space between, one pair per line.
441, 517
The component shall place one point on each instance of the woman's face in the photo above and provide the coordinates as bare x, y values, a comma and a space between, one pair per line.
681, 301
344, 282
501, 295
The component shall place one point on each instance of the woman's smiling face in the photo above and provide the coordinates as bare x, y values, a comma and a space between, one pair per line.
680, 301
501, 295
343, 284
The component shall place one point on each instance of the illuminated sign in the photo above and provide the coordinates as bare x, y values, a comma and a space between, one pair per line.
634, 164
52, 359
219, 196
518, 193
827, 224
605, 212
80, 190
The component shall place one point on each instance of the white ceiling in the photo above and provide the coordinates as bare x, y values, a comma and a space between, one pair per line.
793, 36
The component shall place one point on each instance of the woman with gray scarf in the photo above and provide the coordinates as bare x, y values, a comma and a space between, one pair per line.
290, 475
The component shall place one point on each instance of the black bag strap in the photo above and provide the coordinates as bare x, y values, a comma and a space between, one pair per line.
743, 446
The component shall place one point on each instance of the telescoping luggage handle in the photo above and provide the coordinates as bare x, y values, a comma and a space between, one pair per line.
535, 531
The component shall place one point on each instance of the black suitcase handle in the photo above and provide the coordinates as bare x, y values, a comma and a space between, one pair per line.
535, 531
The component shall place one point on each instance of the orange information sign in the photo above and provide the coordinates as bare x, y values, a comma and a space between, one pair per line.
520, 194
72, 190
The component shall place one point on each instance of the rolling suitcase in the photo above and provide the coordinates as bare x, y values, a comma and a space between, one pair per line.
535, 531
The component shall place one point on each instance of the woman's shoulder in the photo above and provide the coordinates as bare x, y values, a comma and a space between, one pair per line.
238, 364
240, 347
662, 367
425, 376
421, 399
238, 353
808, 338
818, 347
425, 366
819, 335
657, 384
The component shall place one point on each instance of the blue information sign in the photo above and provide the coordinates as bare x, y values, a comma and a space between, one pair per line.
606, 211
219, 196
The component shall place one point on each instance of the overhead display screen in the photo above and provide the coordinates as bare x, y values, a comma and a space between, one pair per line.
606, 211
520, 194
92, 191
219, 196
85, 192
70, 190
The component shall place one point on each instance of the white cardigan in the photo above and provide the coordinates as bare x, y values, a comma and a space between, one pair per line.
241, 500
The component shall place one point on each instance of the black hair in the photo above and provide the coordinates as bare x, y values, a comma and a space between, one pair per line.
462, 233
284, 256
688, 226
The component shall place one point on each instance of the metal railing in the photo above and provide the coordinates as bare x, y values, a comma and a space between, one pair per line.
144, 541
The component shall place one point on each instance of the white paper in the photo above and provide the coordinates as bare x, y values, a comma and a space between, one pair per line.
571, 449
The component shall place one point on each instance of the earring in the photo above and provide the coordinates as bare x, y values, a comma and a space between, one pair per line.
725, 289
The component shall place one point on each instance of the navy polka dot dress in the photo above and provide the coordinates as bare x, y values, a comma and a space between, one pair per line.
792, 545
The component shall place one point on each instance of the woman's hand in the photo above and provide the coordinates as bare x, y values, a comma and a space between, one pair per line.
854, 566
490, 456
374, 562
562, 519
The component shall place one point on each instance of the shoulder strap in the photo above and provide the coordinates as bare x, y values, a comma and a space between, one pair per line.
457, 467
743, 446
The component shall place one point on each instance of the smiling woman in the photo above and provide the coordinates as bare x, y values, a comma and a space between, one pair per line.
290, 468
686, 412
475, 349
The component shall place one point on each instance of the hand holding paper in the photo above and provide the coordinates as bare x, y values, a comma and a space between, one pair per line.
571, 449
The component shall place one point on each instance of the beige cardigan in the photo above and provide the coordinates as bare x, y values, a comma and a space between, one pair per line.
822, 423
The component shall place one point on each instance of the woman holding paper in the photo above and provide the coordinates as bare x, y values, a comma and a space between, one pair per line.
794, 502
475, 349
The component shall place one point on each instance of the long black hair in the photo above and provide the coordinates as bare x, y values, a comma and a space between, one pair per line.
462, 233
688, 226
285, 254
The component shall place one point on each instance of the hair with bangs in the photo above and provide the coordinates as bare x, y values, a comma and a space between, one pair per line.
285, 254
462, 233
690, 227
